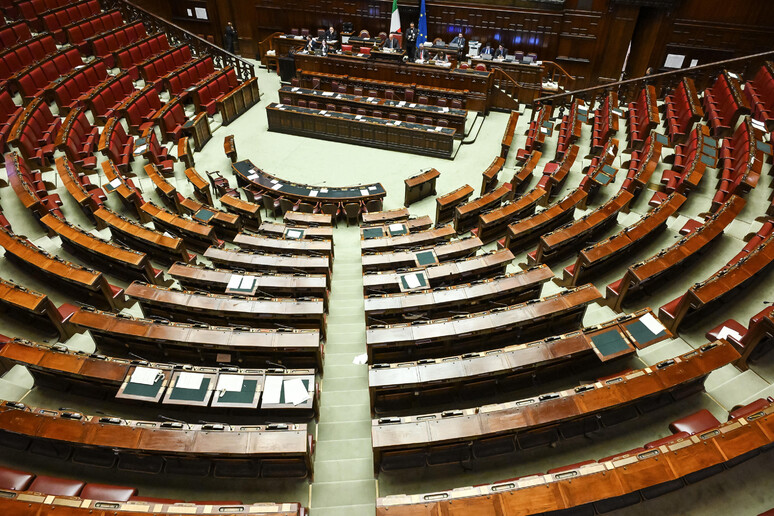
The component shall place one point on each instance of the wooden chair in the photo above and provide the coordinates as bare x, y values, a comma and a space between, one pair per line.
352, 212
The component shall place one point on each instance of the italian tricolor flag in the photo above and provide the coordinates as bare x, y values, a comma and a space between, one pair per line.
395, 21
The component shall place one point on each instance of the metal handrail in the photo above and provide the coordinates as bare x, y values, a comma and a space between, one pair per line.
178, 35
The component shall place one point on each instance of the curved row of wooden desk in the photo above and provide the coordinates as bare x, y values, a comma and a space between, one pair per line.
392, 260
610, 483
456, 435
484, 373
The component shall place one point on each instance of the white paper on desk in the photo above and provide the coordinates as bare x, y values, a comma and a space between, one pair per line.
758, 124
272, 389
363, 192
327, 94
412, 105
294, 88
279, 105
313, 193
169, 235
323, 190
401, 103
294, 233
252, 176
247, 282
144, 375
323, 111
369, 99
295, 391
274, 181
397, 122
445, 110
358, 117
725, 332
372, 188
544, 130
141, 149
652, 324
234, 282
674, 61
412, 281
230, 382
396, 227
360, 359
278, 187
189, 381
438, 128
191, 88
115, 183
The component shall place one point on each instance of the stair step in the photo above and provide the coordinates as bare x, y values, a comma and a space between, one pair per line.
738, 389
663, 351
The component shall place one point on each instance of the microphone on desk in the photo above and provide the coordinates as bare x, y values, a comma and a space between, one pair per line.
269, 362
282, 326
379, 321
138, 357
167, 418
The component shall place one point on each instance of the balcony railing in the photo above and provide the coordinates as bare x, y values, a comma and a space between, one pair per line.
177, 35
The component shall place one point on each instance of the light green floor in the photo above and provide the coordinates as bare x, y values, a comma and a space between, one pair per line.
344, 481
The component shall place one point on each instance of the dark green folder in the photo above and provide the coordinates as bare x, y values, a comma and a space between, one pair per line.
641, 333
146, 391
282, 392
402, 231
420, 278
372, 233
425, 258
610, 342
204, 215
246, 395
191, 394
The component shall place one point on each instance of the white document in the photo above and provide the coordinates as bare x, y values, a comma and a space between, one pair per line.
252, 177
272, 389
438, 128
327, 94
445, 110
201, 13
115, 183
360, 359
323, 111
725, 332
313, 193
396, 227
234, 282
397, 122
412, 105
278, 187
144, 375
363, 192
189, 381
279, 105
372, 188
141, 149
294, 88
230, 382
694, 62
544, 130
247, 283
295, 391
674, 61
401, 103
294, 233
652, 323
369, 99
323, 190
358, 117
412, 281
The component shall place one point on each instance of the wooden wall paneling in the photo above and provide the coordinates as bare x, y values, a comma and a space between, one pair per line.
616, 30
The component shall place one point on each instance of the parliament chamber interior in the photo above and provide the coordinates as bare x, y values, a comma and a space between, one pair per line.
439, 246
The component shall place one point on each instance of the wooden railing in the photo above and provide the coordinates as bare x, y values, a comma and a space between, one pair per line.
555, 73
703, 76
177, 35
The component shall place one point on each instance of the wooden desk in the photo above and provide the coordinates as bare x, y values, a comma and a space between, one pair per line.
446, 204
254, 312
396, 228
472, 332
529, 77
207, 448
462, 298
419, 238
623, 243
249, 212
420, 186
493, 224
130, 196
184, 152
646, 273
477, 84
466, 215
226, 224
166, 190
162, 247
209, 279
186, 343
238, 101
14, 502
526, 231
524, 173
310, 232
32, 306
489, 180
500, 428
285, 245
362, 130
77, 281
248, 174
475, 267
199, 129
229, 147
510, 130
307, 219
385, 217
561, 241
197, 235
261, 262
621, 480
76, 190
201, 186
119, 261
484, 374
369, 106
452, 250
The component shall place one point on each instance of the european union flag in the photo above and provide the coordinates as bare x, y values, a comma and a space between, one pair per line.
422, 37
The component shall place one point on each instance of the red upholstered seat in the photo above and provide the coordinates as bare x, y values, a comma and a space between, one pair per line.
14, 480
56, 486
714, 333
108, 492
750, 408
698, 422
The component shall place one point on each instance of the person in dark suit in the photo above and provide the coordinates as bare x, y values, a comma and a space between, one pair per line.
330, 34
392, 42
460, 42
230, 37
423, 54
411, 41
501, 52
487, 50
